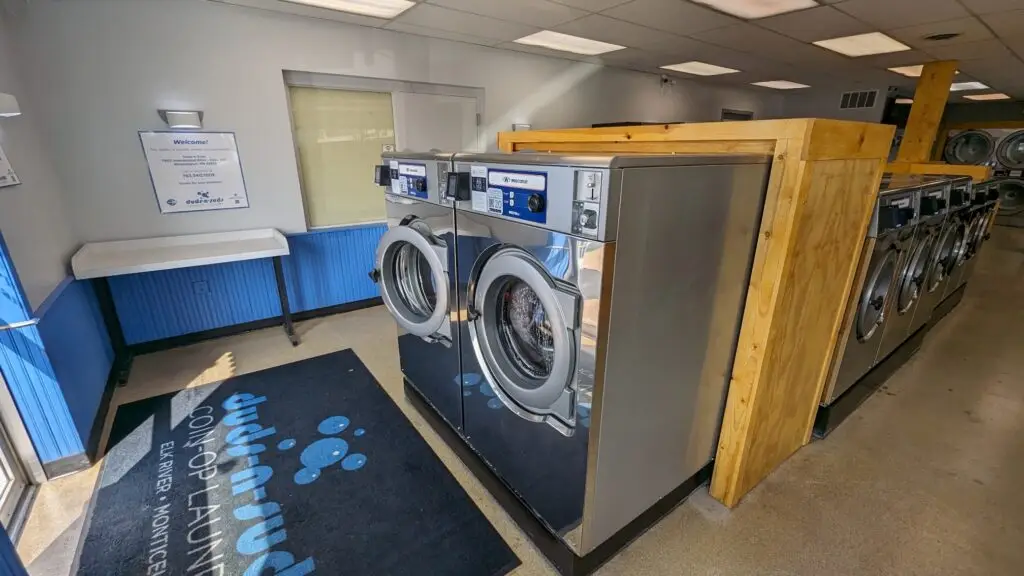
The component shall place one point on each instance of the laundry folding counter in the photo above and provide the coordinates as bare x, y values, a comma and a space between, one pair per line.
98, 261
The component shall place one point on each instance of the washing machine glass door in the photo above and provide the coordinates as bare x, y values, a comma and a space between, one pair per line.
913, 275
412, 269
871, 310
959, 254
942, 257
524, 326
969, 147
1011, 197
1011, 151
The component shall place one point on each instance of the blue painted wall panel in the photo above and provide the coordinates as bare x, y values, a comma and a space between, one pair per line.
13, 304
79, 349
10, 564
156, 305
331, 267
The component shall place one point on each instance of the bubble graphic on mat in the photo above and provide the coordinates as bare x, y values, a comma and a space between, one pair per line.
486, 390
286, 444
471, 379
326, 452
333, 425
353, 462
467, 392
494, 404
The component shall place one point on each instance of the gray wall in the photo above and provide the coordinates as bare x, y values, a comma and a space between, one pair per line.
822, 103
103, 67
33, 218
983, 112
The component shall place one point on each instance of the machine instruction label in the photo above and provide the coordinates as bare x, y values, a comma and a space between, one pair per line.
507, 192
412, 180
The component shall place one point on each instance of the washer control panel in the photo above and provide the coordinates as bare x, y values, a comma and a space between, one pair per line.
586, 205
894, 211
409, 179
934, 201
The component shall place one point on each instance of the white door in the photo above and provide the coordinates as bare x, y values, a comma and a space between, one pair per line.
12, 480
425, 122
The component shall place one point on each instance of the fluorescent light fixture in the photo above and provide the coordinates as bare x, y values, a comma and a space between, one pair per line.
751, 9
9, 106
863, 44
376, 8
781, 84
699, 68
568, 43
982, 97
904, 100
182, 119
911, 71
961, 86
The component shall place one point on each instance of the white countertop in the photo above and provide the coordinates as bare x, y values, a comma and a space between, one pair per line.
102, 259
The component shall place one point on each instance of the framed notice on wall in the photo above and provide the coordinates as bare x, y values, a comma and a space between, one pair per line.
7, 175
194, 171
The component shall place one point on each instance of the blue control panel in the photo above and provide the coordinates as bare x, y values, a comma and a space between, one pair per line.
517, 194
409, 179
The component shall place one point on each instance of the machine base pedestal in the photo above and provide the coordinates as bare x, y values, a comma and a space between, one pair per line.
554, 549
830, 416
947, 305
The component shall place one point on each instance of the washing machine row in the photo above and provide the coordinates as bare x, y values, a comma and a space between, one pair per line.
578, 327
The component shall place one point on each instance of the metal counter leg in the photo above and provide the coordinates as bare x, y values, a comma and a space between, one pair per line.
282, 293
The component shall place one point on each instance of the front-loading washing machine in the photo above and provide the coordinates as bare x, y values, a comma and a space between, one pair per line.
941, 233
886, 248
599, 325
963, 216
415, 269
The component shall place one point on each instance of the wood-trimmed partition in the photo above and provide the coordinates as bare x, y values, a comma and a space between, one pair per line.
821, 194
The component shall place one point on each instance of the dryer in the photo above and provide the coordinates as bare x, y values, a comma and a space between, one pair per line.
886, 248
1003, 150
599, 324
1011, 202
416, 272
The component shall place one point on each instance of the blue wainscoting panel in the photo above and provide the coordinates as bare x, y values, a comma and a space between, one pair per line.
10, 564
157, 305
13, 304
33, 384
331, 267
79, 349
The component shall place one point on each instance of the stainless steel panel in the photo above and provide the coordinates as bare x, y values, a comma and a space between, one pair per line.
902, 307
682, 263
612, 161
437, 163
433, 367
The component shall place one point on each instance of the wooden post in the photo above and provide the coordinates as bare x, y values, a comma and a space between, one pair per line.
926, 113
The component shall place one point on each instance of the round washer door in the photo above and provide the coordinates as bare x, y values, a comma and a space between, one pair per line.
942, 257
960, 245
969, 147
523, 327
412, 265
913, 276
1011, 197
1011, 151
871, 311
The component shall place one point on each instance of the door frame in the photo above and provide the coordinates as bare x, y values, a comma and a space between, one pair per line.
23, 455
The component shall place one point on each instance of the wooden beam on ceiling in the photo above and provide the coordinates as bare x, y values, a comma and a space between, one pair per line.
926, 113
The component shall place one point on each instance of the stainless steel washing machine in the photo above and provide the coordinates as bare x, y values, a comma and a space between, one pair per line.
886, 248
1011, 202
599, 325
416, 271
963, 216
984, 198
940, 236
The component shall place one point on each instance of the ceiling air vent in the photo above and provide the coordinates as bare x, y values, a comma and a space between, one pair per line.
855, 100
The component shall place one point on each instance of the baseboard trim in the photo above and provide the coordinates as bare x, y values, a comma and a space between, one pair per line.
947, 305
92, 447
66, 465
195, 337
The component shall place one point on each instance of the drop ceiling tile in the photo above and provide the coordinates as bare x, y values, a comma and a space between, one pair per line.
541, 13
970, 30
815, 24
605, 29
904, 58
592, 5
308, 11
890, 14
995, 73
767, 44
676, 16
993, 49
990, 6
1016, 44
442, 34
449, 20
1006, 23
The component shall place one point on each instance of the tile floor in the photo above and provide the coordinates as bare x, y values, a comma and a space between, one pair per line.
923, 479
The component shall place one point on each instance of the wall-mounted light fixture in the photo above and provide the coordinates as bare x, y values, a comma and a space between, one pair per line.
9, 106
182, 119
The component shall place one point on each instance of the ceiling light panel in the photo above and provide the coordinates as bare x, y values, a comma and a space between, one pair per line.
751, 9
700, 68
377, 8
983, 97
911, 71
961, 86
568, 43
863, 44
781, 84
904, 100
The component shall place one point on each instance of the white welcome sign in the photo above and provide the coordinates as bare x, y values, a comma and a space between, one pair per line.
195, 171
